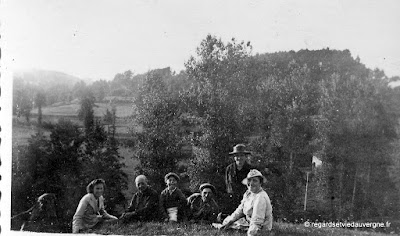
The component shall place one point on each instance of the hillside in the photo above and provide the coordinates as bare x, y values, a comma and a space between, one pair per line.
45, 78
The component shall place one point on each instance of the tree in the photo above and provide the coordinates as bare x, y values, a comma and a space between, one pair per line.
40, 100
158, 146
360, 134
213, 73
100, 89
80, 89
64, 164
85, 112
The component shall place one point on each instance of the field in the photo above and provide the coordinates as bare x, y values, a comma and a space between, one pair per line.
22, 130
123, 110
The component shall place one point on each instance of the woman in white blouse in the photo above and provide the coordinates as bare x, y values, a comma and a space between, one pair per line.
254, 213
90, 210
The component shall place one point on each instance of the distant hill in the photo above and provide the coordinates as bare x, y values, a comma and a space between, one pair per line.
45, 78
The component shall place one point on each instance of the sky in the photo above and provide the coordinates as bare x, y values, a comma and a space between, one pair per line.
97, 39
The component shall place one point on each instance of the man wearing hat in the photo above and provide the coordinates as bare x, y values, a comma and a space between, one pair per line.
203, 207
235, 173
255, 210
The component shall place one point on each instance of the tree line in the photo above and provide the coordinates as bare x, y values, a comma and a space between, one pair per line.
286, 106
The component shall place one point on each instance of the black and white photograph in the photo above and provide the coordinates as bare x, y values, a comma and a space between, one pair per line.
212, 117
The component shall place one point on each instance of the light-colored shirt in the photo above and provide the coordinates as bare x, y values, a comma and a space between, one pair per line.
89, 212
256, 209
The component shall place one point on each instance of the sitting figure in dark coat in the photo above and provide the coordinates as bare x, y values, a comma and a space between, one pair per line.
203, 207
144, 204
173, 204
41, 217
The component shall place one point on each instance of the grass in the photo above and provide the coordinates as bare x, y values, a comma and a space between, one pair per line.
284, 229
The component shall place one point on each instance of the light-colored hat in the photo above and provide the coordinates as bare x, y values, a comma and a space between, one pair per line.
254, 173
207, 185
240, 148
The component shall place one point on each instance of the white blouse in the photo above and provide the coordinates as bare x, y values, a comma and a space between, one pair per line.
257, 210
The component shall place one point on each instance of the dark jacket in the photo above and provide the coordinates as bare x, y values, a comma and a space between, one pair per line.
145, 205
234, 177
202, 211
174, 199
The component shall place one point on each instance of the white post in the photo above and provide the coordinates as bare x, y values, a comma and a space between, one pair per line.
305, 197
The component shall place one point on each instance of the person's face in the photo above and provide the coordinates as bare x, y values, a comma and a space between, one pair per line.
98, 190
206, 194
141, 184
171, 183
254, 184
240, 159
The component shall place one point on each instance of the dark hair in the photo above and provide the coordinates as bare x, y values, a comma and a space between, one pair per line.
90, 186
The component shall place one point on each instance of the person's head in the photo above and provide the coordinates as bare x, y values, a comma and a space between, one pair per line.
240, 154
171, 179
207, 192
96, 187
141, 183
254, 180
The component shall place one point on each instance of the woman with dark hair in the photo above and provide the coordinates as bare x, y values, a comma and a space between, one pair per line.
254, 213
90, 210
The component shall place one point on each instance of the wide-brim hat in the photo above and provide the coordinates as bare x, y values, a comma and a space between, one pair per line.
254, 173
207, 185
240, 148
171, 174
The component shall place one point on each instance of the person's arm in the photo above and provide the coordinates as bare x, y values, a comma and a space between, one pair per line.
196, 210
132, 204
237, 214
259, 215
78, 217
103, 211
190, 206
228, 180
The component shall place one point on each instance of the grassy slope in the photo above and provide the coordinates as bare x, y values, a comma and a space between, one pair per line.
203, 230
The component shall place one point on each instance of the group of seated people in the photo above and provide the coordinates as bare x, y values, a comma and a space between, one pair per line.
253, 214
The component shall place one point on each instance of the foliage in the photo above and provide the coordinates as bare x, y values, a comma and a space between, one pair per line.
215, 76
40, 101
85, 112
64, 164
285, 106
158, 146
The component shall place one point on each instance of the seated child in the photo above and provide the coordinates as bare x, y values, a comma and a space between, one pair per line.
172, 201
